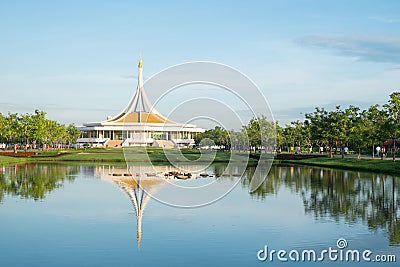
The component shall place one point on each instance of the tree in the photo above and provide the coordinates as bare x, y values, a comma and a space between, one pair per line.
237, 140
217, 136
11, 127
72, 134
347, 121
26, 128
280, 137
306, 134
253, 132
359, 134
268, 134
3, 121
319, 125
375, 125
261, 134
301, 134
40, 123
33, 129
393, 110
290, 140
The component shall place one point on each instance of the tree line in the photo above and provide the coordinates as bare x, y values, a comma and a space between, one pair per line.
358, 130
352, 128
259, 134
32, 131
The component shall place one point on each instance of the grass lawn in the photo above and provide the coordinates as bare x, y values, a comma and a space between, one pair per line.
132, 154
5, 160
368, 165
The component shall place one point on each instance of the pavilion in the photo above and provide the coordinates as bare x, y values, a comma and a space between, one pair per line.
139, 124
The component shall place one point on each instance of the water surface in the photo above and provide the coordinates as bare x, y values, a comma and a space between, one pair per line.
77, 215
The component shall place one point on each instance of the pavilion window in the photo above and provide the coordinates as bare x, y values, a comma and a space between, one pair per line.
118, 135
159, 135
124, 135
173, 135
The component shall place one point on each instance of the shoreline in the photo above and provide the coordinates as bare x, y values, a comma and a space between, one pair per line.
350, 164
158, 157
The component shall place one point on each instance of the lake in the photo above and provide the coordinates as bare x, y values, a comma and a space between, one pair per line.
96, 215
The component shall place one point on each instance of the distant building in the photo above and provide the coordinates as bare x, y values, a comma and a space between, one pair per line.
139, 124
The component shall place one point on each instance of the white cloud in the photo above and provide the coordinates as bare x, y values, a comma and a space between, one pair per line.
384, 19
359, 48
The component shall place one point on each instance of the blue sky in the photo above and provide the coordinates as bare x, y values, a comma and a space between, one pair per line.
77, 60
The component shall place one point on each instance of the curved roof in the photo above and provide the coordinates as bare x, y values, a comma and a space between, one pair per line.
144, 117
139, 109
140, 112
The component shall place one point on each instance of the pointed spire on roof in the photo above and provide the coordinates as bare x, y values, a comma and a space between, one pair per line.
139, 105
140, 61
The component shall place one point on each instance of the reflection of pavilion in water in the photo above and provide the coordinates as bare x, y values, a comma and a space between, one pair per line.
139, 187
146, 180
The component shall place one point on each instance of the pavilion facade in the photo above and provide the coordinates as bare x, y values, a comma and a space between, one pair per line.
139, 124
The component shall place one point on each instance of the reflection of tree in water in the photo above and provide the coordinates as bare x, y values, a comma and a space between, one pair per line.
269, 187
352, 196
34, 180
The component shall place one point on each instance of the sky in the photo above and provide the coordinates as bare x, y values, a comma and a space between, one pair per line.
77, 60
